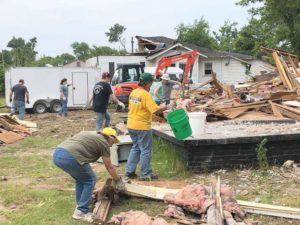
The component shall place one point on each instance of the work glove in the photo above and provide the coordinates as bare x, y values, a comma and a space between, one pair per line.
120, 185
27, 101
10, 100
121, 104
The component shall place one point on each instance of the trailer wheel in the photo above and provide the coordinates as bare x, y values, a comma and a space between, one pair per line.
39, 107
55, 106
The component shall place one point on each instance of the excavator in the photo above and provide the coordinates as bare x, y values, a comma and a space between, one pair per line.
123, 83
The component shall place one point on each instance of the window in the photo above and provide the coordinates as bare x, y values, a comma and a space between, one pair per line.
173, 65
182, 66
208, 69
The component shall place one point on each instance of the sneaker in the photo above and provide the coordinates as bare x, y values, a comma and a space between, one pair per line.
131, 175
79, 215
149, 178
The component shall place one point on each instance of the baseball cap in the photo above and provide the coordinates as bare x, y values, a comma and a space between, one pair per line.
110, 132
146, 77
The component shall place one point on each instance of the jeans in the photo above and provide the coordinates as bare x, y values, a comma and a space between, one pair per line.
85, 178
140, 152
99, 120
20, 107
64, 108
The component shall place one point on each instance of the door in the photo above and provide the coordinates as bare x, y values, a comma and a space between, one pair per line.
80, 88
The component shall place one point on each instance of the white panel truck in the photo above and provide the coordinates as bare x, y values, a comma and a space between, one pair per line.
43, 86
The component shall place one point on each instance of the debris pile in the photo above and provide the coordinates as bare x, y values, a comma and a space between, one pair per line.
271, 93
11, 130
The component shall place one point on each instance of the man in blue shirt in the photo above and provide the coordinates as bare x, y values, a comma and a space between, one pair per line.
18, 102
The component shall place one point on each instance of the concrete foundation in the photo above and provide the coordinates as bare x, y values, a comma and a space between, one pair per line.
232, 144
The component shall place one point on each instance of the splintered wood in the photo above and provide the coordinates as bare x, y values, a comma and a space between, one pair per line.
265, 94
11, 130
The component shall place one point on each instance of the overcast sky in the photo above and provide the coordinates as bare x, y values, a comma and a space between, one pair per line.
59, 23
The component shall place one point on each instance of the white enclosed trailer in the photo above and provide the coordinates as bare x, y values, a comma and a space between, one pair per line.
43, 86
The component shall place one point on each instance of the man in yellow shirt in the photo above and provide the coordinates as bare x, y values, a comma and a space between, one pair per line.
141, 108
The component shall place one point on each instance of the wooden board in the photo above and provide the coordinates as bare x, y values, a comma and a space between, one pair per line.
10, 137
292, 103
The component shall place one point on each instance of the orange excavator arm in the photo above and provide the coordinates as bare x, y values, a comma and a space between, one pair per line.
165, 62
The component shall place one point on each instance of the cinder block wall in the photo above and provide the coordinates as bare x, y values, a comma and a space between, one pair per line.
207, 155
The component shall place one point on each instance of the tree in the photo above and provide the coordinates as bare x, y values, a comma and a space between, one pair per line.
103, 50
62, 59
81, 50
283, 17
115, 34
227, 36
22, 52
197, 33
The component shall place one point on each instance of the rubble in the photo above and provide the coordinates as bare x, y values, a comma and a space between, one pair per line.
12, 130
136, 217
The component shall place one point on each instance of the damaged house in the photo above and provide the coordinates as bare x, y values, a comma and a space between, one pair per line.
230, 67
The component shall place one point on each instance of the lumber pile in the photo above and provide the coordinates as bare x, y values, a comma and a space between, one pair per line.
266, 93
12, 130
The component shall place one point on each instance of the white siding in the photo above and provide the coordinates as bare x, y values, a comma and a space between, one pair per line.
105, 60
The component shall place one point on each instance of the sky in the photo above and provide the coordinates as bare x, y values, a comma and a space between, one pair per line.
59, 23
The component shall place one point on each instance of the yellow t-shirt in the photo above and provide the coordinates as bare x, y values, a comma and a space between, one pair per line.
141, 108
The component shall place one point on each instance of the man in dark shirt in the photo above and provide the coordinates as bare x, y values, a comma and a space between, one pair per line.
18, 103
102, 92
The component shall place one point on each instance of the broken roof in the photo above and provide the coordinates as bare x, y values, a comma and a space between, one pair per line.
157, 44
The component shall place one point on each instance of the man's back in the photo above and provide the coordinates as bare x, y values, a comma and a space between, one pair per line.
19, 91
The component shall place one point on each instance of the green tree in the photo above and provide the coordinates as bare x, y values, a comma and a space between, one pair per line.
103, 50
226, 36
283, 17
62, 59
254, 35
197, 33
23, 53
2, 79
115, 34
81, 50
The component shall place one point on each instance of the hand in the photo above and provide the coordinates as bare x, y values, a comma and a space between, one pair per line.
64, 98
120, 185
10, 100
121, 104
27, 101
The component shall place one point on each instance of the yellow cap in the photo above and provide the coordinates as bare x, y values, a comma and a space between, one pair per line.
110, 132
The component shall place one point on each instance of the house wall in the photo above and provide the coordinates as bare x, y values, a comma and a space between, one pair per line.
103, 61
228, 70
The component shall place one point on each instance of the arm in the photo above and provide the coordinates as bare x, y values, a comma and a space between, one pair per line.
10, 95
114, 99
110, 168
156, 92
27, 95
161, 109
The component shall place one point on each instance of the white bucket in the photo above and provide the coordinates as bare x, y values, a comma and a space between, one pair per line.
197, 122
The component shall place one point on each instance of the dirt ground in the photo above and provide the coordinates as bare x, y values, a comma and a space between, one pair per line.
279, 186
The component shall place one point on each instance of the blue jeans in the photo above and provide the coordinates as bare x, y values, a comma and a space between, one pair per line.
99, 120
64, 107
140, 152
85, 178
20, 107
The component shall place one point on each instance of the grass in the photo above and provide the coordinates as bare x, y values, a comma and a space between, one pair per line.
36, 190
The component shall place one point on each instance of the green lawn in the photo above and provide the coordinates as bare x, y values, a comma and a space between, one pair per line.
37, 192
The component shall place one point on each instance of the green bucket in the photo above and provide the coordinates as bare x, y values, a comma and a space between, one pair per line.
179, 122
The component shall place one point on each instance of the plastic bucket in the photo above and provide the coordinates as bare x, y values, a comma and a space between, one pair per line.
197, 121
179, 122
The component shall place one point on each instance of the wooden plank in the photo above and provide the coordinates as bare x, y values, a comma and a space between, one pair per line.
275, 110
292, 103
294, 66
10, 137
281, 71
229, 219
148, 191
282, 52
290, 76
101, 211
284, 95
